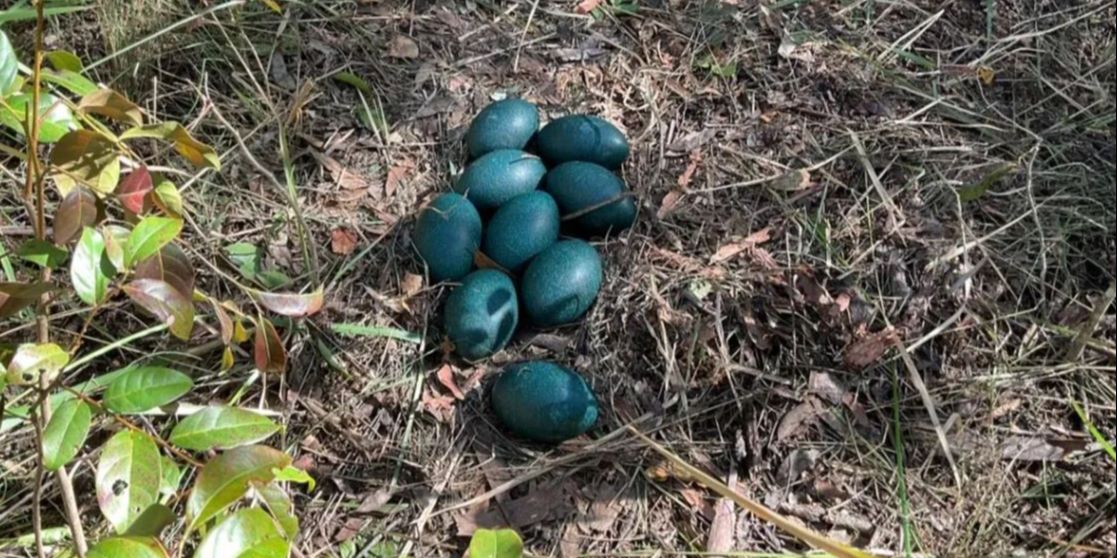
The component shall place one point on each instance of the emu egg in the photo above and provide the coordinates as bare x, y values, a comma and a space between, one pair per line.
522, 228
581, 137
507, 124
447, 234
577, 186
499, 176
542, 401
561, 283
481, 314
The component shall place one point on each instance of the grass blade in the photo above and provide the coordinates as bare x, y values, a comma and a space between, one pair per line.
357, 330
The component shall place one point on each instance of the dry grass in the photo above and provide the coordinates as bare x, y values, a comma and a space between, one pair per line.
725, 361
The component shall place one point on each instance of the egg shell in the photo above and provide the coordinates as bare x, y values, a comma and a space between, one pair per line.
577, 186
499, 176
581, 137
561, 283
521, 229
481, 314
543, 401
447, 234
507, 124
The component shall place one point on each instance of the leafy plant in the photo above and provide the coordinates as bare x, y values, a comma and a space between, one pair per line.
117, 235
502, 543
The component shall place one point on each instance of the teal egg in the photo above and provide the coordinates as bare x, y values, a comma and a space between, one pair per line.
507, 124
561, 283
577, 186
520, 229
543, 401
481, 314
581, 137
447, 234
499, 176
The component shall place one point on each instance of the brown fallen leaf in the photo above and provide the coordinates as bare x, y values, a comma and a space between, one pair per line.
342, 241
669, 203
441, 407
544, 502
445, 375
396, 175
691, 168
402, 46
698, 502
792, 181
825, 386
731, 250
587, 6
723, 528
411, 284
869, 350
344, 178
799, 417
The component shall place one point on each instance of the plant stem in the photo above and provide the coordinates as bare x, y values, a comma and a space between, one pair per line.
36, 185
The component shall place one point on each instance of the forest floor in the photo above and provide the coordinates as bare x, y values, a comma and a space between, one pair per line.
871, 277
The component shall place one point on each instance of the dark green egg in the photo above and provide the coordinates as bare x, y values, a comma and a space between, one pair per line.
507, 124
481, 314
561, 283
542, 401
577, 186
447, 234
581, 137
499, 176
521, 228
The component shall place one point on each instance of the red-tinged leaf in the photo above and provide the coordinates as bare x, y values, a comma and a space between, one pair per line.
870, 349
587, 6
729, 251
226, 479
17, 296
445, 377
271, 357
224, 321
172, 265
165, 302
79, 209
134, 188
291, 304
111, 104
342, 241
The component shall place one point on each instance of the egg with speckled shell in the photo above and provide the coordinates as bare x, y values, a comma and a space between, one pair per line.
499, 176
543, 401
507, 124
581, 137
561, 283
447, 234
521, 229
593, 193
481, 314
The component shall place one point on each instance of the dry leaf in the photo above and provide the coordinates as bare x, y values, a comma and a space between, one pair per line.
343, 241
731, 250
691, 168
402, 46
1028, 448
698, 502
546, 502
445, 375
799, 417
870, 349
792, 181
723, 528
587, 6
439, 406
396, 175
669, 203
343, 177
825, 386
411, 284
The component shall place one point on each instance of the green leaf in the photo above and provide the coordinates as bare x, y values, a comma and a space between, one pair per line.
167, 197
9, 64
32, 362
128, 477
128, 547
64, 60
248, 533
358, 330
79, 209
88, 158
221, 428
1093, 430
279, 505
354, 80
974, 191
42, 253
70, 81
272, 279
65, 433
111, 104
166, 303
194, 151
246, 257
144, 388
504, 543
150, 234
293, 474
55, 118
172, 478
17, 296
226, 479
152, 521
116, 238
90, 269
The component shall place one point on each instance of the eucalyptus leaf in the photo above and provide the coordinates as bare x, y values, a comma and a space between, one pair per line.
226, 479
55, 118
149, 235
248, 533
128, 547
42, 253
90, 268
221, 428
65, 433
9, 64
128, 477
143, 388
